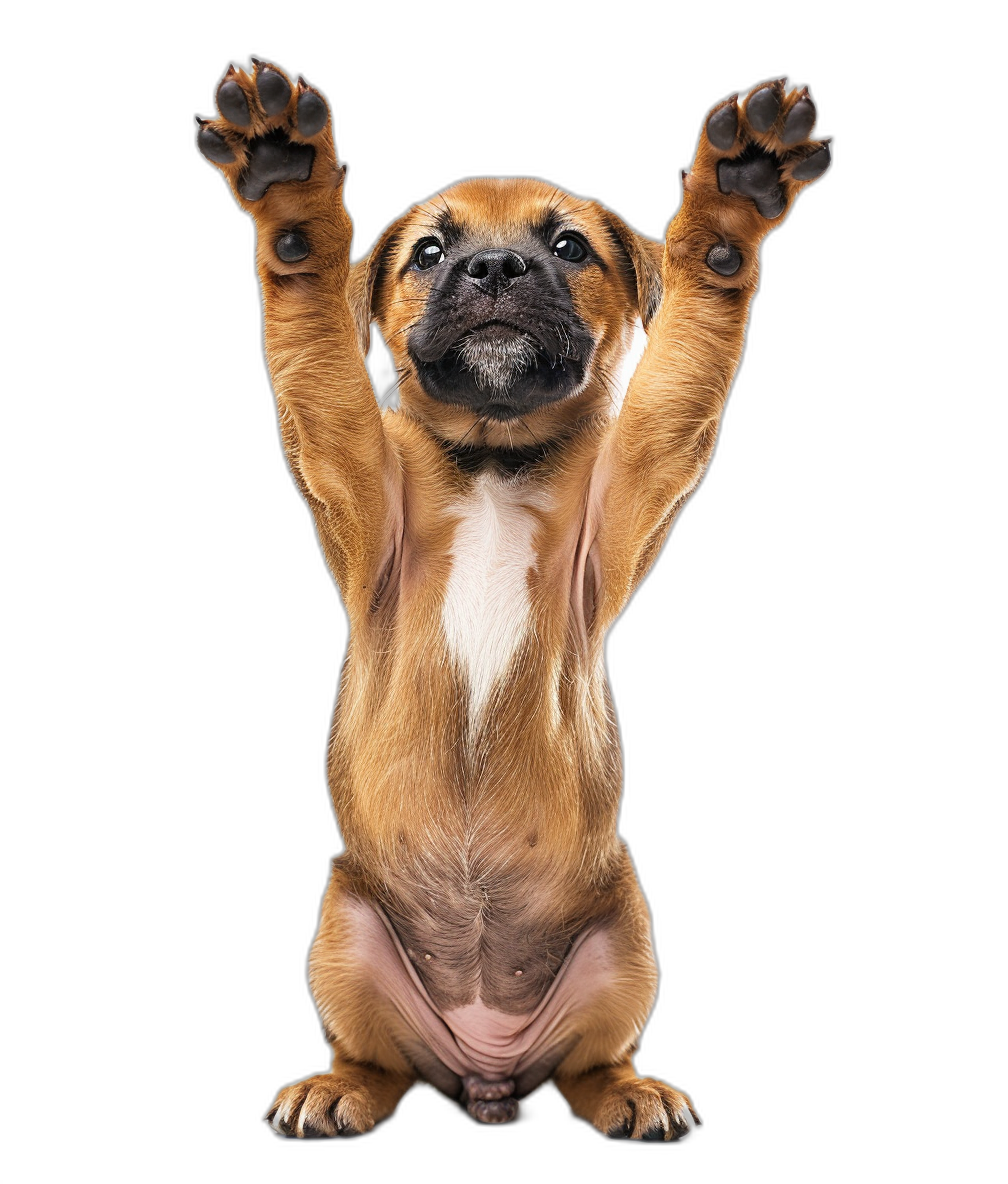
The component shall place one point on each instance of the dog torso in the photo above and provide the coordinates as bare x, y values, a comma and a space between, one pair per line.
475, 761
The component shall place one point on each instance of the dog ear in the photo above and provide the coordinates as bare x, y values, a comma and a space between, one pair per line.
642, 259
363, 289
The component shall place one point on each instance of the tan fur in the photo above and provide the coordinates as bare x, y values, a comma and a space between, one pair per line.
490, 844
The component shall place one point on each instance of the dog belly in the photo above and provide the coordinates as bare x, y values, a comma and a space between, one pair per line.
475, 1039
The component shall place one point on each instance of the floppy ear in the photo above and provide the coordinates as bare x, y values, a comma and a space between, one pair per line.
363, 287
643, 261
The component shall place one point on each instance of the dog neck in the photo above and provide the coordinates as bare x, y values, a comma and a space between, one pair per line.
512, 462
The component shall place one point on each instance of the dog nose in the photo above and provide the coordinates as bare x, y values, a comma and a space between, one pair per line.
494, 269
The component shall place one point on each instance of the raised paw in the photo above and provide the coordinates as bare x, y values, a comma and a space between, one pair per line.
760, 150
270, 132
321, 1107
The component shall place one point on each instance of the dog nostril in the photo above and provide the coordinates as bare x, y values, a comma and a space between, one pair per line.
497, 264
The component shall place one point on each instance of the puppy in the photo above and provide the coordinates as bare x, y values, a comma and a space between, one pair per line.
484, 930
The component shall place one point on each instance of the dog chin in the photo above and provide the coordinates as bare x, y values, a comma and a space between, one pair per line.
499, 372
496, 357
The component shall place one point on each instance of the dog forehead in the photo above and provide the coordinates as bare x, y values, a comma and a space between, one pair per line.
493, 209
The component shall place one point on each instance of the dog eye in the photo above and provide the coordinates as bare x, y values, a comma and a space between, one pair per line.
570, 248
428, 253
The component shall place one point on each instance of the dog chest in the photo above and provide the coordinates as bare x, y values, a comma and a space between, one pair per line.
486, 610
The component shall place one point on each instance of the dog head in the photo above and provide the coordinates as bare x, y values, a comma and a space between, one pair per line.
507, 306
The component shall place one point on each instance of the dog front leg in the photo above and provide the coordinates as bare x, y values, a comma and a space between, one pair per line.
273, 143
751, 163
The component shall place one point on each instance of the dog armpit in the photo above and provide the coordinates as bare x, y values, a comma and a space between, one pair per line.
273, 143
752, 160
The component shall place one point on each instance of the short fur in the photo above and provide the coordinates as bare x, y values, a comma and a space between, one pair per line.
484, 929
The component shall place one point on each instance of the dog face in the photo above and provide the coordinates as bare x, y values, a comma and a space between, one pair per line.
507, 306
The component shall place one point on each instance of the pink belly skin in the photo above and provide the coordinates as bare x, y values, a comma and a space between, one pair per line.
476, 1039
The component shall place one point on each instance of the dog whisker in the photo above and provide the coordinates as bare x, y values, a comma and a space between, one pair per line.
384, 400
525, 424
475, 424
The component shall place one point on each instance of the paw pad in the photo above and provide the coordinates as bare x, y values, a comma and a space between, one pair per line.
722, 126
800, 120
274, 158
231, 102
813, 166
763, 106
213, 145
756, 176
292, 247
273, 89
312, 113
724, 259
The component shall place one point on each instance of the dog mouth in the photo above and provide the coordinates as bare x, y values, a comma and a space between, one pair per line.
497, 354
502, 370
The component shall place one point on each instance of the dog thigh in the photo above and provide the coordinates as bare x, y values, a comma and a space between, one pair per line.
610, 995
597, 1076
371, 1007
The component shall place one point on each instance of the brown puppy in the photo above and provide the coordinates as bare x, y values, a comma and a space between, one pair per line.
484, 929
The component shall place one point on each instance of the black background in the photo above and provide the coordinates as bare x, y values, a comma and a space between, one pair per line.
724, 668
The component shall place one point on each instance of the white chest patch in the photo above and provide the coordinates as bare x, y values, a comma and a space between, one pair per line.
485, 614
